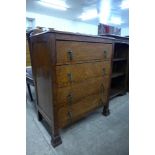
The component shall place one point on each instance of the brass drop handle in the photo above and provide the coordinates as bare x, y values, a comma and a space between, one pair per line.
70, 54
102, 88
105, 54
104, 71
70, 77
70, 116
69, 99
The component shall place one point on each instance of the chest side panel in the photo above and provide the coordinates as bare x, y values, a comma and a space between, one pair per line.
42, 74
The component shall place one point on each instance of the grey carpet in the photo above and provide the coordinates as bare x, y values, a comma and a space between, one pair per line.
93, 135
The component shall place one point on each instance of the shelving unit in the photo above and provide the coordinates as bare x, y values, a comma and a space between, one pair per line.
119, 59
115, 92
115, 75
119, 77
120, 65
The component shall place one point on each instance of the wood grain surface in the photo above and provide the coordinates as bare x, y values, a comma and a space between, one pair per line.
78, 91
82, 51
68, 74
69, 114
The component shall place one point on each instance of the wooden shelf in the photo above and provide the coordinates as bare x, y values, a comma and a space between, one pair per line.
114, 75
119, 59
119, 69
116, 91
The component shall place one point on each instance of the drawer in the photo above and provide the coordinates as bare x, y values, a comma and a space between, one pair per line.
72, 51
69, 74
78, 91
69, 114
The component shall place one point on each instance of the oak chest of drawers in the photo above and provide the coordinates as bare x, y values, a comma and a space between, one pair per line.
72, 76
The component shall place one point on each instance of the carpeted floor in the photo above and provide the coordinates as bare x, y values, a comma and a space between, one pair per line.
93, 135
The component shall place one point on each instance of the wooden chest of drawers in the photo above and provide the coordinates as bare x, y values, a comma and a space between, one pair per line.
72, 76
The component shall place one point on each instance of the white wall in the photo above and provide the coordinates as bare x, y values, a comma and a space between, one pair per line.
67, 25
62, 24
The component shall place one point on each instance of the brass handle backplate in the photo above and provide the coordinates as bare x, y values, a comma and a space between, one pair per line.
70, 77
69, 99
105, 54
102, 88
70, 116
104, 71
70, 54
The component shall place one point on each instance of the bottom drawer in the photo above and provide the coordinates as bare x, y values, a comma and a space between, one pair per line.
71, 113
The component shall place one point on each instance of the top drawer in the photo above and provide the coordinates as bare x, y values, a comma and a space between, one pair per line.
72, 51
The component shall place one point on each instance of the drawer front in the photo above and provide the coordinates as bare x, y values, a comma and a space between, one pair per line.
69, 114
71, 95
72, 51
69, 74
